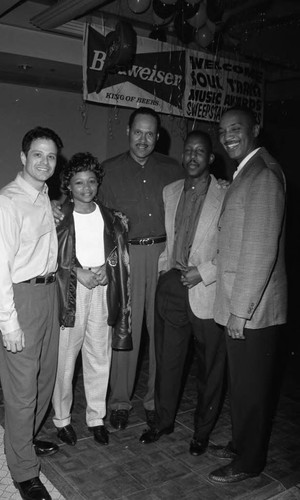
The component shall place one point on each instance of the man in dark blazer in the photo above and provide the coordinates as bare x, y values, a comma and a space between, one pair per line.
251, 292
185, 296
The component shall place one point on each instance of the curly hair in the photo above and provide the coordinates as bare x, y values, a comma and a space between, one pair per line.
80, 162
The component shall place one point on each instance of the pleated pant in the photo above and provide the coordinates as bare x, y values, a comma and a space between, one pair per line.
92, 336
28, 376
254, 380
143, 279
175, 325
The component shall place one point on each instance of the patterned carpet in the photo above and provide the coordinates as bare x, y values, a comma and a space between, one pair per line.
7, 488
128, 470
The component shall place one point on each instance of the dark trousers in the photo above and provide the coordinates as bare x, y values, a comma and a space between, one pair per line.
28, 376
175, 323
253, 394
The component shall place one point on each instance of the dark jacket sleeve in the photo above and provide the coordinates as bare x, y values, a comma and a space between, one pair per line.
66, 271
118, 275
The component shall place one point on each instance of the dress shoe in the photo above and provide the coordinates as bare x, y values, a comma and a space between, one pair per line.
33, 489
44, 448
197, 448
119, 419
154, 434
223, 452
150, 418
67, 435
230, 473
100, 434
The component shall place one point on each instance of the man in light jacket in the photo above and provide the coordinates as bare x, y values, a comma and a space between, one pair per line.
185, 296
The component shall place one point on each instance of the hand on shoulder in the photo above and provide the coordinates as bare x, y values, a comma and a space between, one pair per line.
56, 211
223, 184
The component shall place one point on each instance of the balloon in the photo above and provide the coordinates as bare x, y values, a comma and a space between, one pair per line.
162, 9
189, 9
200, 17
158, 34
183, 29
158, 21
211, 26
217, 43
204, 36
138, 6
215, 10
193, 46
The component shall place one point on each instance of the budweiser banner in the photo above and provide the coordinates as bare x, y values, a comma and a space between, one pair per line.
170, 79
155, 79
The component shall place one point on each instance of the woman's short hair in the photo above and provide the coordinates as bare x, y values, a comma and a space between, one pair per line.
81, 162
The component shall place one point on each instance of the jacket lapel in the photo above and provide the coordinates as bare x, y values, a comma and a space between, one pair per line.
172, 205
240, 177
210, 207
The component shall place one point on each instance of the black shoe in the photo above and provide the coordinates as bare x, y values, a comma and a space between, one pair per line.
230, 474
119, 419
44, 448
100, 434
153, 434
33, 489
150, 418
197, 448
67, 435
223, 452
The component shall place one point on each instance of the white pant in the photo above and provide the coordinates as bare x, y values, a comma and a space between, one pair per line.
92, 335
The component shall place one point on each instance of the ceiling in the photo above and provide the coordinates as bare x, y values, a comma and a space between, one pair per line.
264, 31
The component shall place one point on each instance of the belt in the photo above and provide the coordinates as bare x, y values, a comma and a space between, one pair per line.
42, 280
95, 269
147, 241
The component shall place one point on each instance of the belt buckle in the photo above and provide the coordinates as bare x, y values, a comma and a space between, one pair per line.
146, 241
50, 278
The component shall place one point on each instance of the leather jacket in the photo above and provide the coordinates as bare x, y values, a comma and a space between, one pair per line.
117, 271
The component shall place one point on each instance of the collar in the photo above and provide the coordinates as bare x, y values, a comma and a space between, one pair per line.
197, 184
244, 161
30, 190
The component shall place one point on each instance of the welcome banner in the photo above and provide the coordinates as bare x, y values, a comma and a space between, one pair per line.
170, 79
215, 84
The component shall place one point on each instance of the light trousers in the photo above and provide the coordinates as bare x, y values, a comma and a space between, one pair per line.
92, 336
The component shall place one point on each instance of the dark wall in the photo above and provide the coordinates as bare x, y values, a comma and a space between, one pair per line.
282, 138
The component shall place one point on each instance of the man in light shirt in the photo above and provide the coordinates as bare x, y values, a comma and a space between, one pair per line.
251, 293
28, 309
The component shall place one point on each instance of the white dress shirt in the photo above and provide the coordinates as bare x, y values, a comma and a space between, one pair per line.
28, 242
244, 161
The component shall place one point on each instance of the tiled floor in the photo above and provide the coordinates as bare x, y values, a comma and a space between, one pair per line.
128, 470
